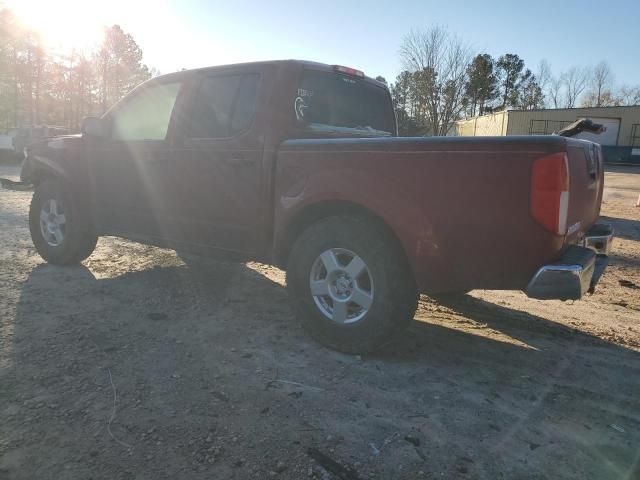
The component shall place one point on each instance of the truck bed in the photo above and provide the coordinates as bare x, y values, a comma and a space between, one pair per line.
460, 207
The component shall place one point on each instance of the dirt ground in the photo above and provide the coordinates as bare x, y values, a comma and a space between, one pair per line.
215, 380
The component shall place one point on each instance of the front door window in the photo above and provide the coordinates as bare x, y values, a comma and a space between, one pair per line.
146, 116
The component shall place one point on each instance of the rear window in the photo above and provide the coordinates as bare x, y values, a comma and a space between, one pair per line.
342, 105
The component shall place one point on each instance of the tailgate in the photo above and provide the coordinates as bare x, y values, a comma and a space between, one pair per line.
586, 181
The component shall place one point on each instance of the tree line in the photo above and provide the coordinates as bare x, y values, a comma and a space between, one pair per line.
38, 86
443, 80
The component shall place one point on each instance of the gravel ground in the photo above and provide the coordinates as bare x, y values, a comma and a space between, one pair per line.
136, 366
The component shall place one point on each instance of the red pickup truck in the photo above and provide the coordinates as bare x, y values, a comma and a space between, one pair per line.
298, 164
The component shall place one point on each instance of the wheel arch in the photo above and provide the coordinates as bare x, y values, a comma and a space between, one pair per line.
318, 211
37, 169
42, 169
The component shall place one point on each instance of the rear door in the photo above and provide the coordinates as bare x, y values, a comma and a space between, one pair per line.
217, 173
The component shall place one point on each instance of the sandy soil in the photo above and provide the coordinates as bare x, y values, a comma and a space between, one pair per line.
214, 379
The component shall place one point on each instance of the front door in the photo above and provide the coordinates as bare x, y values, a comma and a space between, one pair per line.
129, 168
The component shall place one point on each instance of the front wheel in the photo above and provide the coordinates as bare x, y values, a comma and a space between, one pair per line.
59, 225
349, 284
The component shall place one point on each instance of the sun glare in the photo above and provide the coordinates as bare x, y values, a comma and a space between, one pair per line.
64, 25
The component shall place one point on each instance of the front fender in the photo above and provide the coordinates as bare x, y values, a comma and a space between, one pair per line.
55, 157
36, 168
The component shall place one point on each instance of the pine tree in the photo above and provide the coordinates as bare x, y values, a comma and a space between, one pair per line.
482, 83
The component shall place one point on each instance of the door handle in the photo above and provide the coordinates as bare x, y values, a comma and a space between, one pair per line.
238, 160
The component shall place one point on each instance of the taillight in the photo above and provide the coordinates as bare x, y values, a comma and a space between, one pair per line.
550, 192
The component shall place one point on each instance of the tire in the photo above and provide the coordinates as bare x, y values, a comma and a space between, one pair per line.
75, 240
380, 300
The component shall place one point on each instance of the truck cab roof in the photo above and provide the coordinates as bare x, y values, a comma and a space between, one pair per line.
306, 64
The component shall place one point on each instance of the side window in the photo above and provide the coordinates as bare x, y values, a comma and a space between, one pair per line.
147, 115
224, 105
245, 103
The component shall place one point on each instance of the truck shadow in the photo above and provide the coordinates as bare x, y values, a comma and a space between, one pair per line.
213, 295
191, 346
625, 169
623, 227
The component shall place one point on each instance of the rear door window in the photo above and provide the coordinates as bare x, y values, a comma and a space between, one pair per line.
224, 105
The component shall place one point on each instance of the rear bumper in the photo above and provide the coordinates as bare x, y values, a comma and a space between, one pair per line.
578, 271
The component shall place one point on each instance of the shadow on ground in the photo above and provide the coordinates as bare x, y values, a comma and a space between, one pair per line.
624, 228
215, 379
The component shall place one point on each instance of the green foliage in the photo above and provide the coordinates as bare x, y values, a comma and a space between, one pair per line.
529, 92
482, 84
510, 68
442, 82
402, 94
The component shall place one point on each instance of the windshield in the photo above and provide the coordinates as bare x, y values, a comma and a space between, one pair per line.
342, 105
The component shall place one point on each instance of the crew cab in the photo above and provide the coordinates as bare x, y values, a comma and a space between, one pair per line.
298, 164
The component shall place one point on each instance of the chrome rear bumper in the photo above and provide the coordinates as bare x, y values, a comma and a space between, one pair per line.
577, 272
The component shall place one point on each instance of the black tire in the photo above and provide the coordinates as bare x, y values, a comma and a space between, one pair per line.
79, 240
394, 296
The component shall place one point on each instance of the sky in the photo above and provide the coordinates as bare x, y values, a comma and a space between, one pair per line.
360, 34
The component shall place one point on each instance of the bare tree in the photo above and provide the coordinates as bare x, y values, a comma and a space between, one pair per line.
575, 82
554, 91
543, 75
440, 60
601, 79
629, 95
606, 99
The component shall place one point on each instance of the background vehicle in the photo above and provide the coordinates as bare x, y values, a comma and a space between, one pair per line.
16, 139
296, 164
7, 147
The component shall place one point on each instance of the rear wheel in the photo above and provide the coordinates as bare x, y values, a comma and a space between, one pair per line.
349, 284
59, 225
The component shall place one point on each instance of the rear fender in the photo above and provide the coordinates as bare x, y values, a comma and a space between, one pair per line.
402, 214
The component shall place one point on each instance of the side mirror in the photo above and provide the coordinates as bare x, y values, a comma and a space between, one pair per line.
93, 127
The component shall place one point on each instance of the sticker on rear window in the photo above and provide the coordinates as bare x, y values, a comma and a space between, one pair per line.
300, 106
